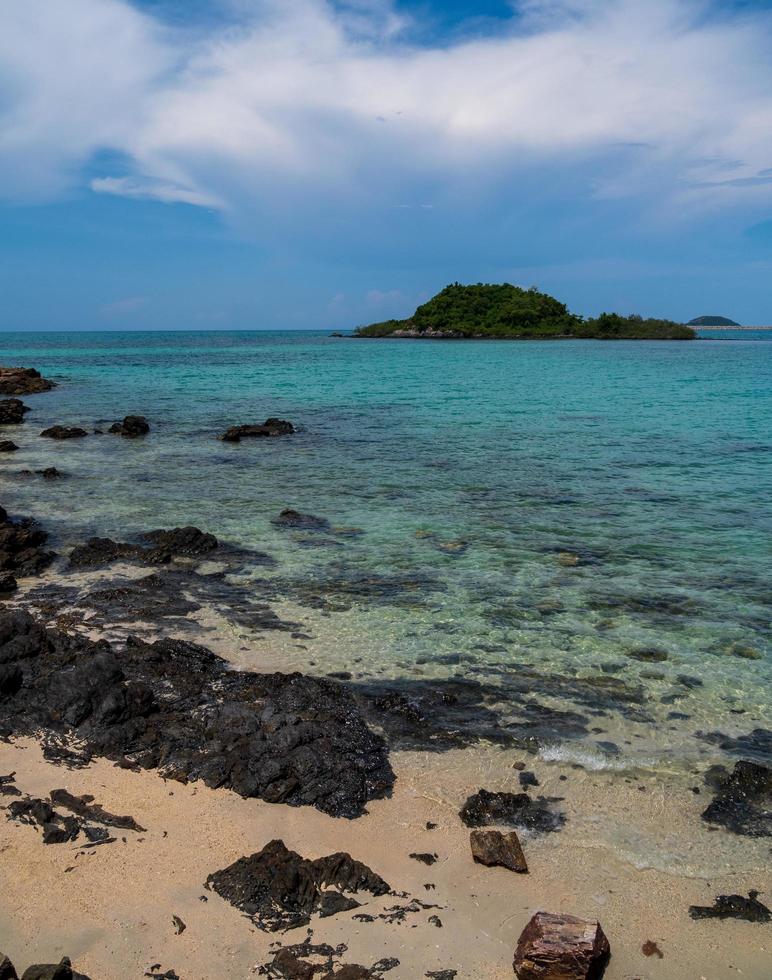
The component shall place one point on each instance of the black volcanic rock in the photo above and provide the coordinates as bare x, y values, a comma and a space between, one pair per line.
64, 432
743, 801
23, 381
511, 809
12, 411
21, 546
279, 889
270, 428
733, 907
164, 544
176, 707
8, 446
182, 540
294, 519
131, 427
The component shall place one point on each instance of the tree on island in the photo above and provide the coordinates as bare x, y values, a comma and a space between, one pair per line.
506, 311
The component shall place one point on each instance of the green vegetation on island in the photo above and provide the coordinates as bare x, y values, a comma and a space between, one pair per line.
712, 321
505, 311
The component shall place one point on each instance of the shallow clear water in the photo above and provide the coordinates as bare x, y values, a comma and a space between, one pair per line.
532, 513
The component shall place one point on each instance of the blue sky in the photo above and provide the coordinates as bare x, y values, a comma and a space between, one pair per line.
173, 164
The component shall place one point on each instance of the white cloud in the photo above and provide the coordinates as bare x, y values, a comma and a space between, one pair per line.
306, 99
149, 190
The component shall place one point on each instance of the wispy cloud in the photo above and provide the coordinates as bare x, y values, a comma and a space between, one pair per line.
150, 190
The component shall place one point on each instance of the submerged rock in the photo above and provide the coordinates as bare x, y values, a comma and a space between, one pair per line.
131, 427
64, 432
23, 381
512, 809
296, 520
733, 907
182, 541
279, 889
561, 947
743, 801
8, 446
176, 707
12, 411
494, 849
270, 428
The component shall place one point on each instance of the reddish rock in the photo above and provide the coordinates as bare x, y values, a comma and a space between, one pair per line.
494, 849
561, 947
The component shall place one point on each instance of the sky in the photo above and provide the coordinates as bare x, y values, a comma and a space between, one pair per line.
281, 164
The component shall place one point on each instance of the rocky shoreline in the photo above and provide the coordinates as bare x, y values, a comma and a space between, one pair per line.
157, 705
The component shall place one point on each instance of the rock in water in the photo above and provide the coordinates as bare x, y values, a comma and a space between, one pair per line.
743, 802
733, 907
12, 411
8, 446
182, 540
279, 889
63, 432
131, 427
290, 518
21, 546
270, 428
177, 707
494, 849
512, 809
561, 947
23, 381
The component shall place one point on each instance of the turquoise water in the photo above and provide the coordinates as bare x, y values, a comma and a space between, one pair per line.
527, 510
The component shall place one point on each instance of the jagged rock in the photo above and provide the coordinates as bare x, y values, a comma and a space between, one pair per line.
297, 521
23, 381
561, 947
733, 907
279, 889
512, 809
176, 706
85, 807
21, 546
270, 428
53, 971
12, 411
131, 427
7, 971
494, 849
7, 582
64, 432
182, 540
8, 446
743, 801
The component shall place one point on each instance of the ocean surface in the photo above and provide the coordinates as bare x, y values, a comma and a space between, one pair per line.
584, 529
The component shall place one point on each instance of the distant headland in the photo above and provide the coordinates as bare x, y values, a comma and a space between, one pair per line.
503, 311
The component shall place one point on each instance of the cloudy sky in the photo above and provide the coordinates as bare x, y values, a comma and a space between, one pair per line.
321, 163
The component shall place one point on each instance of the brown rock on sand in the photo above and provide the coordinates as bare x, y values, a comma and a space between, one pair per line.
494, 849
561, 947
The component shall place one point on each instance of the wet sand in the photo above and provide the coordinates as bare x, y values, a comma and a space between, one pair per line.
112, 913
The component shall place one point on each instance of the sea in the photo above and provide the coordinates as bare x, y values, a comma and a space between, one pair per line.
579, 530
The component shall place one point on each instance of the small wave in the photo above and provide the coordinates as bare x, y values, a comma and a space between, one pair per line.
594, 761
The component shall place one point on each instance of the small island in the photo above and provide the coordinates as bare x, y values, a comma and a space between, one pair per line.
503, 311
712, 321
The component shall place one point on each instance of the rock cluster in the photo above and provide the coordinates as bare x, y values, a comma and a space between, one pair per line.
279, 889
23, 381
12, 411
270, 428
176, 707
131, 427
561, 947
510, 809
